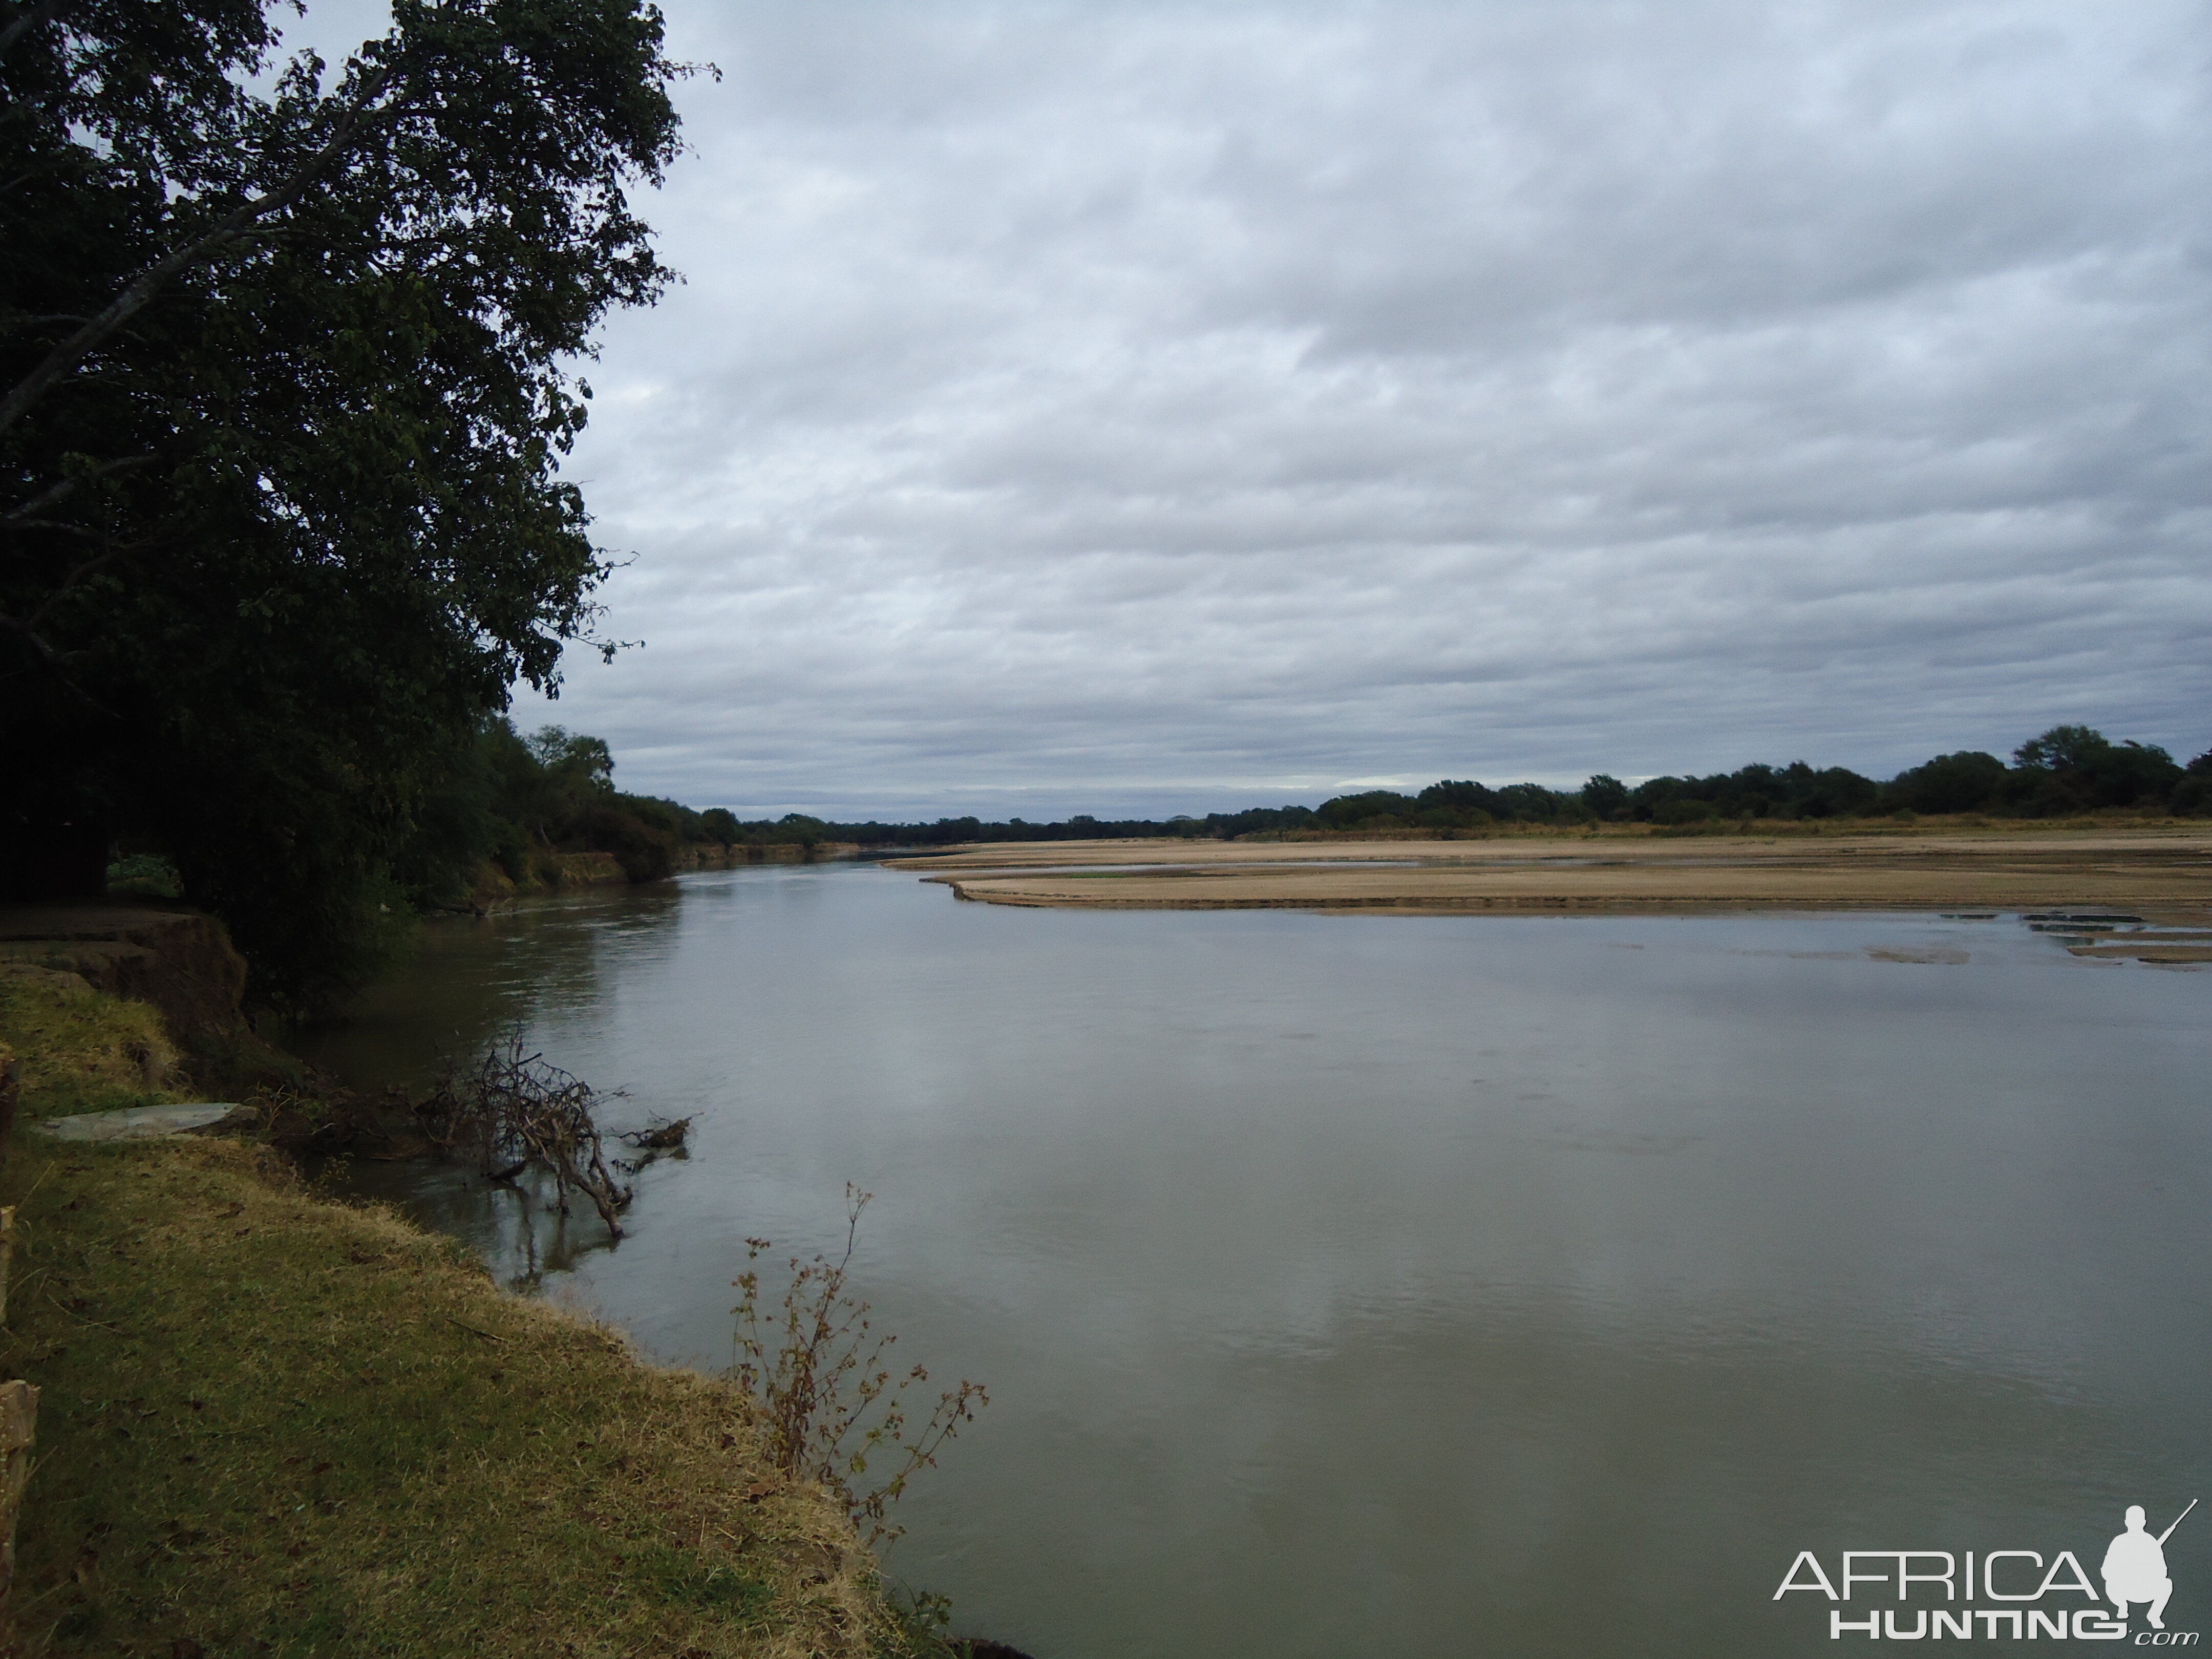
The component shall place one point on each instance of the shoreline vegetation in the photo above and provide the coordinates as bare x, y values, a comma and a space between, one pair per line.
516, 816
270, 1422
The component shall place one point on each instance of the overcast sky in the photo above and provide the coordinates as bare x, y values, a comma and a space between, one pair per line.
1125, 407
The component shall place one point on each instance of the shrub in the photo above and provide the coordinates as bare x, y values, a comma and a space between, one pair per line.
827, 1395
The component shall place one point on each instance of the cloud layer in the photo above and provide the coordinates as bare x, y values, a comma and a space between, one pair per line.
1170, 408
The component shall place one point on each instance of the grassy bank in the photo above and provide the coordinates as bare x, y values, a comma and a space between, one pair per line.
275, 1424
80, 1051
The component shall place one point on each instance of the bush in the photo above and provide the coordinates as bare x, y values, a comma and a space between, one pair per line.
824, 1390
145, 875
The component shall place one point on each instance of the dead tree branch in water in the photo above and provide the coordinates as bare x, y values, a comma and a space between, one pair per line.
661, 1138
515, 1112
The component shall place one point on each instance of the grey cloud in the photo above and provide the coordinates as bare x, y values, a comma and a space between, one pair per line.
1126, 408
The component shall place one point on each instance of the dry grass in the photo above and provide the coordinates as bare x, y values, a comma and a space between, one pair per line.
81, 1051
271, 1425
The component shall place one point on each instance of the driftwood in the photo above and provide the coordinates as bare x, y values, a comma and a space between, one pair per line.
514, 1113
18, 1424
661, 1138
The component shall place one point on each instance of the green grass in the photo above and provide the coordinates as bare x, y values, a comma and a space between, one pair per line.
273, 1425
81, 1051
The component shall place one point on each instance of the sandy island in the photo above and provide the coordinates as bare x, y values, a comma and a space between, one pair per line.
2160, 873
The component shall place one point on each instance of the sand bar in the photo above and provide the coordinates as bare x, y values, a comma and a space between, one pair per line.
2161, 872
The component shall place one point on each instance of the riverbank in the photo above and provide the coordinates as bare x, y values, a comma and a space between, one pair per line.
554, 872
2164, 871
271, 1423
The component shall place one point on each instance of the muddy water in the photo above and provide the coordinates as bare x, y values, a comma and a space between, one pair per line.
1421, 1285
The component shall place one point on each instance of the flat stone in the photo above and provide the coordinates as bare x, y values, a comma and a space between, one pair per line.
138, 1122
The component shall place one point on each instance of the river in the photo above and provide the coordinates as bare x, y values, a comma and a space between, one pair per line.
1366, 1286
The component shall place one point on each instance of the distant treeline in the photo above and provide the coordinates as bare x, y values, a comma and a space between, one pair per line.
522, 805
521, 802
2067, 771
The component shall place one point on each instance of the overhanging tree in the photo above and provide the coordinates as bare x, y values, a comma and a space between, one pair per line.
285, 383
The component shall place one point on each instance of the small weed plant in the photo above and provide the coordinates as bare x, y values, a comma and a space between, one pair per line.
831, 1400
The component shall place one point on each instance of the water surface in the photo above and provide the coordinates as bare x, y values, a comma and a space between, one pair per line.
1352, 1285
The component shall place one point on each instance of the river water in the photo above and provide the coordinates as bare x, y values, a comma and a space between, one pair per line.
1366, 1286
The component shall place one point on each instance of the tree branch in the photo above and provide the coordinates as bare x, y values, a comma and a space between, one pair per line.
43, 13
149, 282
67, 487
12, 523
82, 568
57, 663
54, 659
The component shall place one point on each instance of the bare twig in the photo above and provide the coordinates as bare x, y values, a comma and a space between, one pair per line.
827, 1376
514, 1112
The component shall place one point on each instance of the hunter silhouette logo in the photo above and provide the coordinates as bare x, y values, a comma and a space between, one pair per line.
2135, 1567
2020, 1583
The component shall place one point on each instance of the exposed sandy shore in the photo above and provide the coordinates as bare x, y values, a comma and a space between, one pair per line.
2163, 873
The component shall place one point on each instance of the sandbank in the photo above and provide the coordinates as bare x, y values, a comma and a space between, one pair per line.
2161, 872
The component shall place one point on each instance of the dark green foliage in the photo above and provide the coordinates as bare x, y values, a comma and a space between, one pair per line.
1605, 796
644, 852
2072, 769
798, 827
1450, 805
1967, 781
456, 821
2193, 796
1376, 809
1795, 791
2062, 749
145, 875
284, 385
518, 802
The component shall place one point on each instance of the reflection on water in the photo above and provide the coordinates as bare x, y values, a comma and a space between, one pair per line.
1438, 1284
